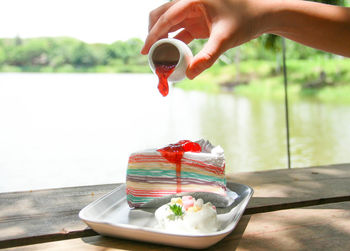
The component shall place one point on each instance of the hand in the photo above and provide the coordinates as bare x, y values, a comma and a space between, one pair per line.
227, 23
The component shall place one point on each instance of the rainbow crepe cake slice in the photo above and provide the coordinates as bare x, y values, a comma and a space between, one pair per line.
183, 167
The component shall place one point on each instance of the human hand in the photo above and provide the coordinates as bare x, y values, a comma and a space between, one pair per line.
227, 23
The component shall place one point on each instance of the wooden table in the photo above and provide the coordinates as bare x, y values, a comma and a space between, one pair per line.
298, 209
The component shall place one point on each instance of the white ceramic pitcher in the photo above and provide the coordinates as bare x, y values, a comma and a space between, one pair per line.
171, 50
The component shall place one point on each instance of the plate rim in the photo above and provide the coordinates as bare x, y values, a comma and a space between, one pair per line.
224, 231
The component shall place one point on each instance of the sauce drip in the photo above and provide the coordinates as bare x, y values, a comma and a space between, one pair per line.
174, 152
163, 71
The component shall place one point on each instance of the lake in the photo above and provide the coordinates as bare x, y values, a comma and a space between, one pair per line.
59, 130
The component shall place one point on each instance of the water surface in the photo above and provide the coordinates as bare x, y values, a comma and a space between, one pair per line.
60, 130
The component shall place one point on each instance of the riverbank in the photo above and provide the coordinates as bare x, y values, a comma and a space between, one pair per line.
327, 80
68, 68
323, 79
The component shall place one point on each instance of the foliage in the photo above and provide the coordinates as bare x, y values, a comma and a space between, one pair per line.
2, 56
64, 54
68, 54
176, 209
260, 79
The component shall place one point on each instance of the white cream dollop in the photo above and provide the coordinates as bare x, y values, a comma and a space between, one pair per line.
196, 218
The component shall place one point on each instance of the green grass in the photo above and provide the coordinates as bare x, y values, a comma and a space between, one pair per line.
264, 80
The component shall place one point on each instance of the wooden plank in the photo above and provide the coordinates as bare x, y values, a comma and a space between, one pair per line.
323, 227
46, 215
275, 189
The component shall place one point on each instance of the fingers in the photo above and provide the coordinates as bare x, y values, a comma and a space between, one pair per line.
207, 56
184, 36
156, 13
174, 15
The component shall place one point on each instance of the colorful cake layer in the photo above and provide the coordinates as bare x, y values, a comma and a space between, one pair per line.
184, 167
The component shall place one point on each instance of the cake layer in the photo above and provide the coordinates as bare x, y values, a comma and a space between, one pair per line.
170, 170
205, 170
159, 175
148, 192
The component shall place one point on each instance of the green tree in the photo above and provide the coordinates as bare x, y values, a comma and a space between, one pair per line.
83, 56
61, 51
2, 56
125, 51
29, 52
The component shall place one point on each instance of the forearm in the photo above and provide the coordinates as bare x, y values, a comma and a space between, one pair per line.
321, 26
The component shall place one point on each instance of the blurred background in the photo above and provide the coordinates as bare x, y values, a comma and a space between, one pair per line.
77, 97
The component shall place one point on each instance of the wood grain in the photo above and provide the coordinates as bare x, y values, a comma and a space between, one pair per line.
48, 215
323, 227
37, 216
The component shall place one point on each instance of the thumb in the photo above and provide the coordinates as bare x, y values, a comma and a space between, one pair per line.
205, 58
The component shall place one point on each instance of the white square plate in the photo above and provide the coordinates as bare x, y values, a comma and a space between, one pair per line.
111, 216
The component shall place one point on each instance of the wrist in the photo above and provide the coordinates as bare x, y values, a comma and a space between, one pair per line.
272, 16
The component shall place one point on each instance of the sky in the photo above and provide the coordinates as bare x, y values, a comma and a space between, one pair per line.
93, 21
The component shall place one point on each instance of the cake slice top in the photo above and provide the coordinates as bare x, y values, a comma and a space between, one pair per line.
201, 151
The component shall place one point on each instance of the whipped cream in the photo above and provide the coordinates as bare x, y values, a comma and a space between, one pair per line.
187, 215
